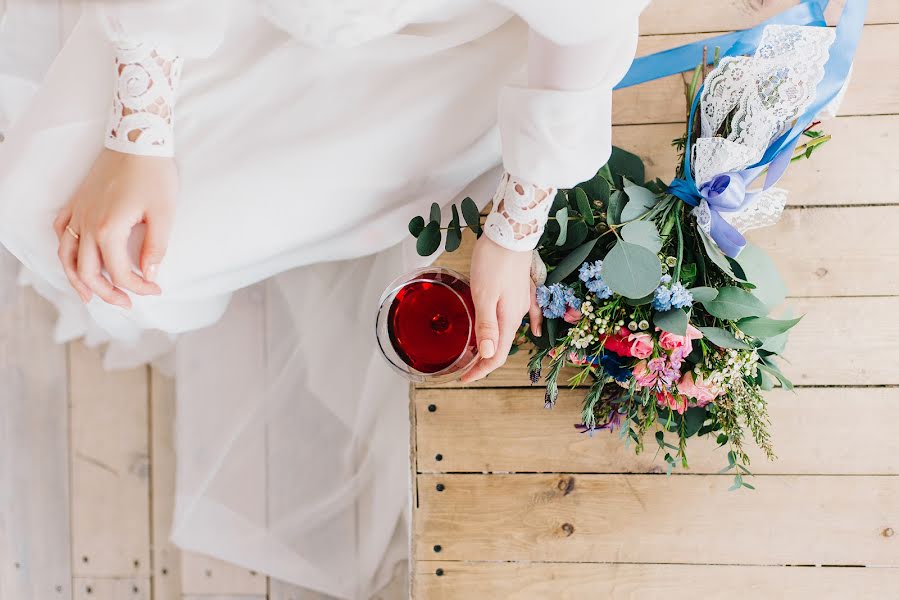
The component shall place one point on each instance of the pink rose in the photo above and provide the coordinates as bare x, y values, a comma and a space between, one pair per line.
641, 345
697, 388
677, 403
575, 359
572, 315
684, 343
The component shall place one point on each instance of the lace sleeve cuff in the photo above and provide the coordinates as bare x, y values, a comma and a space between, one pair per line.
143, 108
519, 213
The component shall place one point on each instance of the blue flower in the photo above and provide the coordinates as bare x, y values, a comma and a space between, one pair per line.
571, 299
599, 287
590, 271
680, 296
662, 299
555, 307
613, 367
542, 296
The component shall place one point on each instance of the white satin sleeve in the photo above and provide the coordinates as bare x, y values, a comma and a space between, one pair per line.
555, 122
151, 40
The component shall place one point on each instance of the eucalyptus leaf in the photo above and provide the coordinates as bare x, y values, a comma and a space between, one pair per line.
733, 303
583, 205
577, 233
723, 338
602, 189
694, 417
454, 232
763, 327
673, 321
640, 200
640, 301
714, 253
773, 370
472, 216
703, 294
562, 219
642, 233
776, 344
571, 262
626, 164
631, 270
616, 205
429, 239
416, 225
761, 271
435, 212
688, 274
552, 328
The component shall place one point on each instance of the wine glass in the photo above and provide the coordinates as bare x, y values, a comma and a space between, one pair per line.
425, 325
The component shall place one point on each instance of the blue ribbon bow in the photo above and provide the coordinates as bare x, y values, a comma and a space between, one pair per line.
727, 192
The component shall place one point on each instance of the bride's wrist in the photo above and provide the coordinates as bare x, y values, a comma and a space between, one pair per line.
519, 213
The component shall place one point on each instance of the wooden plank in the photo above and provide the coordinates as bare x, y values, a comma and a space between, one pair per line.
869, 93
818, 251
166, 556
110, 469
278, 590
838, 173
34, 466
103, 588
684, 16
840, 341
203, 575
498, 430
223, 597
575, 581
828, 520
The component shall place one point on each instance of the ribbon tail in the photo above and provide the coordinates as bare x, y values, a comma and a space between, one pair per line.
726, 235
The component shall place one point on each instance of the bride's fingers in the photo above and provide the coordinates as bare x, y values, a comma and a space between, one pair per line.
114, 253
89, 272
535, 315
68, 253
61, 221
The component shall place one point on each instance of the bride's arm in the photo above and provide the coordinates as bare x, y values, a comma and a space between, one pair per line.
134, 179
556, 132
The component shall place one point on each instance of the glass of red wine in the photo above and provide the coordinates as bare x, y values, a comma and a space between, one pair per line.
425, 325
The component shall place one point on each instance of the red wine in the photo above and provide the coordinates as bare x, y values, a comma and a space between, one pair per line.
429, 326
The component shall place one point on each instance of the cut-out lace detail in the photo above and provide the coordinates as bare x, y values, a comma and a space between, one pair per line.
143, 107
519, 213
763, 94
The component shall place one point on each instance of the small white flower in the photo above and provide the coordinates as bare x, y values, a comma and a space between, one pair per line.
644, 325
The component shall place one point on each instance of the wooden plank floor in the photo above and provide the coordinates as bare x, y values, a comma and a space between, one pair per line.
510, 502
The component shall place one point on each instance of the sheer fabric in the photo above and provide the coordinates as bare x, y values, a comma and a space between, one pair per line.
297, 182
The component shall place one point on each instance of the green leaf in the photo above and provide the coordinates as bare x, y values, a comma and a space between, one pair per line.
721, 439
605, 173
703, 294
761, 271
673, 321
763, 327
714, 253
625, 164
602, 188
631, 270
776, 344
616, 205
552, 328
733, 303
454, 232
640, 301
723, 338
416, 225
640, 200
429, 239
577, 233
693, 419
688, 274
583, 205
571, 262
771, 369
435, 212
472, 215
562, 220
642, 233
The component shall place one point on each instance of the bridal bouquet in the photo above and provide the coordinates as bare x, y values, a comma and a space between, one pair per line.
650, 291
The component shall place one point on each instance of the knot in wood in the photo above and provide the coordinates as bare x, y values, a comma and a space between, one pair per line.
566, 485
567, 529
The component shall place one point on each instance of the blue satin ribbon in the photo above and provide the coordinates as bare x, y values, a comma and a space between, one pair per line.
727, 192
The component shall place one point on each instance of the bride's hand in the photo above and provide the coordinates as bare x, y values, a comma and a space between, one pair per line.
503, 292
120, 191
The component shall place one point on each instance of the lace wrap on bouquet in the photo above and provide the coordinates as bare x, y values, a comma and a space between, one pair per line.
519, 213
762, 94
143, 107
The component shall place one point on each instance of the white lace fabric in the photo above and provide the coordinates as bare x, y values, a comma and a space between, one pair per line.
143, 107
763, 94
519, 213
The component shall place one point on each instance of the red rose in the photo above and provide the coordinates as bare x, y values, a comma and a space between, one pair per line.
618, 343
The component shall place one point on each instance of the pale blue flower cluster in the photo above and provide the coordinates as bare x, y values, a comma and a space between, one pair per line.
591, 275
671, 296
555, 299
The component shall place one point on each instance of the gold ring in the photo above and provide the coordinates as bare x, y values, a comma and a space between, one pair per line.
73, 232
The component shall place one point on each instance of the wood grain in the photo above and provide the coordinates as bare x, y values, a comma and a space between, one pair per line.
34, 465
568, 581
508, 430
102, 588
842, 171
110, 468
686, 16
830, 520
870, 91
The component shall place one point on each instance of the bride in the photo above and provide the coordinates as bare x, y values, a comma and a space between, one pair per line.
223, 188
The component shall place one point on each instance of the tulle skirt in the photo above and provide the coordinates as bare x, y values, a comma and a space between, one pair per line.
300, 168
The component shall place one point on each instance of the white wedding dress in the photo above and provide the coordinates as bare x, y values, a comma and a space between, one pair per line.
307, 134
